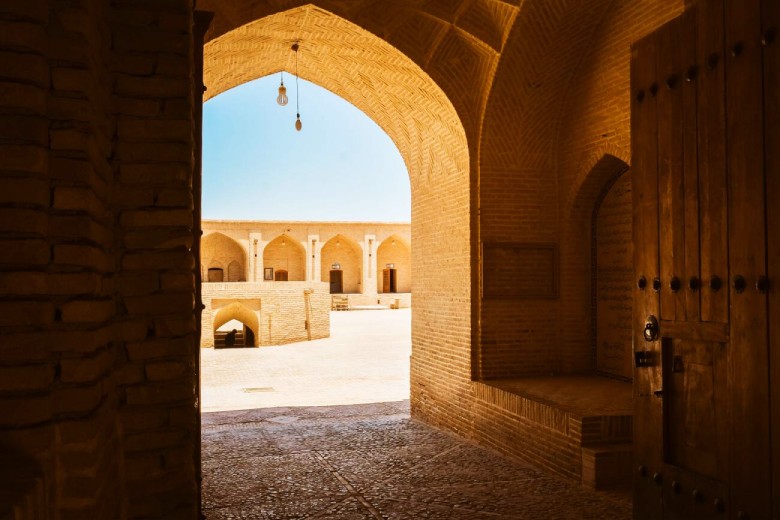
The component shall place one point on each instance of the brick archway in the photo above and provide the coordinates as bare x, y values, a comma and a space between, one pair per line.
398, 91
240, 312
284, 253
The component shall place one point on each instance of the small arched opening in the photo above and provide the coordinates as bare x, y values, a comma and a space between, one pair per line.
236, 325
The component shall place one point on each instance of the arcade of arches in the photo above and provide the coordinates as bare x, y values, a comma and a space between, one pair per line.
374, 257
525, 127
282, 274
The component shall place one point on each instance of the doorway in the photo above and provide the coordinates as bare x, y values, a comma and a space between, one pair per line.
336, 281
389, 277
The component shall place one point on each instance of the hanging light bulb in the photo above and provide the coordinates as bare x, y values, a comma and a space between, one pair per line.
298, 124
282, 99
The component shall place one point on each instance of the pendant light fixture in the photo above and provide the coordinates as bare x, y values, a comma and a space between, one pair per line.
282, 98
298, 124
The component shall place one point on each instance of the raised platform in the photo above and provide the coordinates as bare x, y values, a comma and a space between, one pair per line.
577, 426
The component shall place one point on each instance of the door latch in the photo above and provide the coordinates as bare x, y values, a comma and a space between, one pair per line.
651, 328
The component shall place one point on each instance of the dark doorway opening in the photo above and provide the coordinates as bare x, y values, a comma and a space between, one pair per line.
336, 281
234, 338
389, 277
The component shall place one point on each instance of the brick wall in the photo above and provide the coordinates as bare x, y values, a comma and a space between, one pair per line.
539, 179
97, 278
153, 104
510, 121
546, 158
284, 312
613, 278
596, 128
58, 359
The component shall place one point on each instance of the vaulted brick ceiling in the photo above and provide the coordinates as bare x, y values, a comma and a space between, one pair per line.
448, 54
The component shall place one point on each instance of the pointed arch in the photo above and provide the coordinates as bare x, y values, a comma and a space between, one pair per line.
218, 251
284, 253
578, 261
395, 252
347, 254
242, 313
400, 83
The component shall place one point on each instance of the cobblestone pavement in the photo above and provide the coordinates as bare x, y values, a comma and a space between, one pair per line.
358, 461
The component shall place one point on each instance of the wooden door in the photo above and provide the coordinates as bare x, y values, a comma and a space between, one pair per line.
336, 281
388, 280
771, 41
701, 398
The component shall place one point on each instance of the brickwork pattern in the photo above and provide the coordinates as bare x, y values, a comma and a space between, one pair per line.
97, 279
540, 170
503, 114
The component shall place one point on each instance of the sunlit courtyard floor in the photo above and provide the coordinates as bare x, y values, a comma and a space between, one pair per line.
321, 429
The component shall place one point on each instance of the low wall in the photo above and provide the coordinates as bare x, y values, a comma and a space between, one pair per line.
404, 299
282, 312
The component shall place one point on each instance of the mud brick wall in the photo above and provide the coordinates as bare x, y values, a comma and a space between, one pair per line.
153, 103
96, 290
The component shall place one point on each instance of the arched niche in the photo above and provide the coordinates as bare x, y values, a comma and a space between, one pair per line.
221, 251
612, 275
394, 266
341, 257
242, 313
285, 254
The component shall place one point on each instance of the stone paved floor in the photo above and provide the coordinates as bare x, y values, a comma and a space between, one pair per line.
361, 461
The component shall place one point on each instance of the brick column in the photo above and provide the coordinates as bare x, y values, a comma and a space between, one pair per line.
255, 273
313, 267
369, 265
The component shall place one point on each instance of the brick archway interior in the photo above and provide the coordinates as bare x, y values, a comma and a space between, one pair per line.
397, 91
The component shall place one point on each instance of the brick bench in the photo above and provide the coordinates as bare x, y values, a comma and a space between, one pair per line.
579, 427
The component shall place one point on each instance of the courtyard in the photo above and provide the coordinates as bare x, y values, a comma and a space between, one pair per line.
321, 429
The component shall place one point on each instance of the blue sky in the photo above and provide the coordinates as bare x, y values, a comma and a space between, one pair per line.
340, 166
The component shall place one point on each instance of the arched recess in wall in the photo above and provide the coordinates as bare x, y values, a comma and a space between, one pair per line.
598, 304
341, 261
242, 313
393, 87
393, 266
221, 251
613, 269
285, 254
